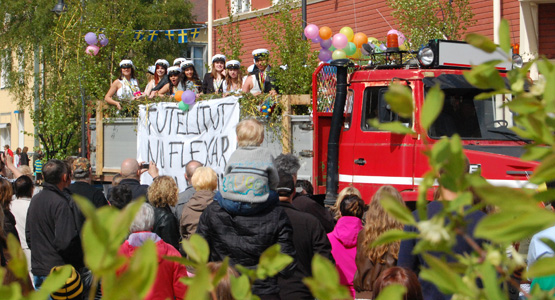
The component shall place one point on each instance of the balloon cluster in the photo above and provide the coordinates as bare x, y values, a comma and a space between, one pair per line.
346, 43
92, 41
185, 98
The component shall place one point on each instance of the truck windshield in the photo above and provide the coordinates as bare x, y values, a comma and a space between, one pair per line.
474, 119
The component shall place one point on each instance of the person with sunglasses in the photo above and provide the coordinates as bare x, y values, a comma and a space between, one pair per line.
125, 87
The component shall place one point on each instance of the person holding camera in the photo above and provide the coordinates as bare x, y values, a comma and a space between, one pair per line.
131, 172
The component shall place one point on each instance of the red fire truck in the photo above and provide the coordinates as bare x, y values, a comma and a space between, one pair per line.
349, 151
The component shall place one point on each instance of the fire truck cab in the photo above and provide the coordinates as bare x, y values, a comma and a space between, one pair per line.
369, 158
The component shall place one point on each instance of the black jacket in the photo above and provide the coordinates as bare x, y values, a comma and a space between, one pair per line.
269, 83
52, 232
244, 238
308, 205
137, 189
416, 262
309, 238
163, 81
208, 85
166, 226
24, 160
88, 191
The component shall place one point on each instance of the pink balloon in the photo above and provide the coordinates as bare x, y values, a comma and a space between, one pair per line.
393, 31
401, 38
311, 31
92, 50
339, 41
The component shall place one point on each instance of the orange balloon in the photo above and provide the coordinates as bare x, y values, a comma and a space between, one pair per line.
177, 95
359, 39
325, 32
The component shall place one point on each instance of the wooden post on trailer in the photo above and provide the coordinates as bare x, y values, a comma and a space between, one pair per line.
99, 138
286, 123
287, 101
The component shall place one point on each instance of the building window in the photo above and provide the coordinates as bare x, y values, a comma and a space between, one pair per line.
240, 6
546, 30
21, 128
6, 63
197, 55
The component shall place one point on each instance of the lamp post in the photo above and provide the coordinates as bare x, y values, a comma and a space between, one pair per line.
58, 9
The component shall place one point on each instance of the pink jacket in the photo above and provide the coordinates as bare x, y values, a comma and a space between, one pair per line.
343, 241
167, 284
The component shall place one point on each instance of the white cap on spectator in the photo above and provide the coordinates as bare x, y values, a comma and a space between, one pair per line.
178, 61
151, 69
174, 70
162, 62
218, 57
186, 64
127, 63
232, 64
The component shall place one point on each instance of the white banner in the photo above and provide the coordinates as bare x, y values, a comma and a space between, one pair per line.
171, 137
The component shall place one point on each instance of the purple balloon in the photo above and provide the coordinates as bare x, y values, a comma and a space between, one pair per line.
340, 41
324, 55
103, 40
188, 97
92, 50
90, 38
325, 44
311, 31
317, 39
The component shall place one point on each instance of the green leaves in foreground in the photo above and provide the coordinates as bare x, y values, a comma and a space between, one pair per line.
432, 107
481, 42
392, 292
103, 232
399, 97
324, 283
137, 279
271, 262
442, 275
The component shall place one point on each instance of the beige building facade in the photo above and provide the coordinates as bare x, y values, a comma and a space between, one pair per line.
14, 122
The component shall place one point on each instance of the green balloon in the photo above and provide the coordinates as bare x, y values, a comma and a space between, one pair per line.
332, 48
350, 49
183, 106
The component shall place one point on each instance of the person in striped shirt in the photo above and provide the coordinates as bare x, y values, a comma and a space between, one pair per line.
38, 169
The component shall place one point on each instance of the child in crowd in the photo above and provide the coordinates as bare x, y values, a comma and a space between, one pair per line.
38, 170
250, 178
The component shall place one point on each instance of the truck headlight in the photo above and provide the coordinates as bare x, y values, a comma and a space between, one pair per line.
426, 56
517, 61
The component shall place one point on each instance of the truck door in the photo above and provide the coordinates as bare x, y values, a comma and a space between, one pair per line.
380, 157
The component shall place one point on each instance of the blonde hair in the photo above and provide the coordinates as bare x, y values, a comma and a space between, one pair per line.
163, 191
223, 289
25, 170
204, 179
350, 190
237, 81
250, 132
378, 221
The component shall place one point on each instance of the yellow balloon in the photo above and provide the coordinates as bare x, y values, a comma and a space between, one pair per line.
357, 54
338, 54
348, 32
